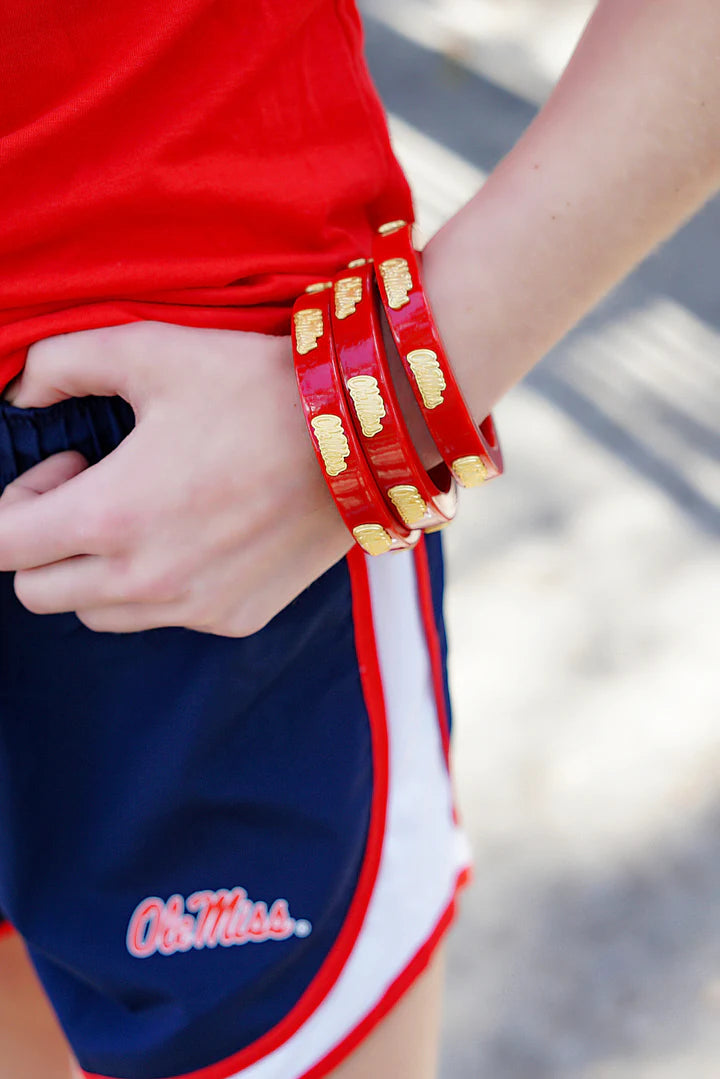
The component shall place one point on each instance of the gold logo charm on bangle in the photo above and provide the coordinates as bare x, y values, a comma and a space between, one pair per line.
308, 328
428, 375
373, 538
397, 280
470, 471
332, 441
391, 226
369, 405
348, 294
409, 503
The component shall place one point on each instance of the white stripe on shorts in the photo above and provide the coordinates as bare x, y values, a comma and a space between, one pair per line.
424, 851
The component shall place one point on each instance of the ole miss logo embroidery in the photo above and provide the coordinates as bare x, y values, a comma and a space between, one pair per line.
206, 919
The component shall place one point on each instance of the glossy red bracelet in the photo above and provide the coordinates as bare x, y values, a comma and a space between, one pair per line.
332, 433
417, 498
473, 454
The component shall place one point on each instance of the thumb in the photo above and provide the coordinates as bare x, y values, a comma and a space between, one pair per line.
72, 365
41, 478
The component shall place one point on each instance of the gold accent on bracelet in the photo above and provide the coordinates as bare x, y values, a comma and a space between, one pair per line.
373, 538
357, 262
319, 286
470, 471
348, 294
397, 280
428, 375
308, 328
391, 226
332, 441
369, 405
409, 503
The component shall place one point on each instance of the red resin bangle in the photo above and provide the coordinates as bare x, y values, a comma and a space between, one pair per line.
332, 433
473, 454
357, 331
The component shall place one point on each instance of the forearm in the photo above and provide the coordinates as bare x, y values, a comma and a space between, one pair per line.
626, 149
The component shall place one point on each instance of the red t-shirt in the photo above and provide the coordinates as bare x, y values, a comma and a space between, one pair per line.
192, 161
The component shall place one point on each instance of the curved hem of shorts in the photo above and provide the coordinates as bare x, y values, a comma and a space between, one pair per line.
7, 929
336, 960
395, 992
392, 995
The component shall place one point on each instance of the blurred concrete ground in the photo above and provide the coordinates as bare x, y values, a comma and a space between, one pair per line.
583, 610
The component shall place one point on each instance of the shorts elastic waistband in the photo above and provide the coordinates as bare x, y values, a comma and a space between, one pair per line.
92, 425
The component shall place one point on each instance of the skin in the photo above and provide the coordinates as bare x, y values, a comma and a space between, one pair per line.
626, 149
33, 1046
180, 531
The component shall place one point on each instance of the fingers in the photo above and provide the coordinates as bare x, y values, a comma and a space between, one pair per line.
71, 519
84, 581
44, 477
130, 617
73, 365
92, 582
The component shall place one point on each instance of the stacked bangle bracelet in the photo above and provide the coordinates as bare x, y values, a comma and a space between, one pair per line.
398, 470
473, 454
333, 434
384, 494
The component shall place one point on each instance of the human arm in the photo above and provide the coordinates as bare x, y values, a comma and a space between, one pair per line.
624, 151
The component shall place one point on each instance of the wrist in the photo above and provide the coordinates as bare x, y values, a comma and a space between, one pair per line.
476, 295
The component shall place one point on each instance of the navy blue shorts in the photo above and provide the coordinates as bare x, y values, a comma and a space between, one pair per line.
227, 857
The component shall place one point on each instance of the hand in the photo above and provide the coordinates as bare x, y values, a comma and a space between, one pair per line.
212, 514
